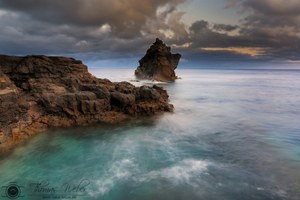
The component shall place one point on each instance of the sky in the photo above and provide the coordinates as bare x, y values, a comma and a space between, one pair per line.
118, 32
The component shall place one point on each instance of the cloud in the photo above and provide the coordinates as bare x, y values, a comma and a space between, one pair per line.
125, 18
98, 29
269, 31
274, 7
203, 34
51, 27
274, 24
199, 26
225, 27
105, 29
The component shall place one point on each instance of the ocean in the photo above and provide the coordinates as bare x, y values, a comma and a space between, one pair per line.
234, 134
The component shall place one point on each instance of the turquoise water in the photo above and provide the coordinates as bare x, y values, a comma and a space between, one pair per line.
235, 134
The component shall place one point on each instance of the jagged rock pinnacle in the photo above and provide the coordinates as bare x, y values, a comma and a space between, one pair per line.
158, 63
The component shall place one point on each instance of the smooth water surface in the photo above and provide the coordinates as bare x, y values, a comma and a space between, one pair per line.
235, 134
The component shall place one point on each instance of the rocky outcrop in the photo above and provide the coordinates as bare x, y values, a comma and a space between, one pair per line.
158, 64
39, 92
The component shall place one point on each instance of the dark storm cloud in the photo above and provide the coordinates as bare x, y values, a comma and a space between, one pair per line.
274, 24
20, 35
105, 29
199, 26
126, 17
94, 27
271, 27
273, 14
274, 7
203, 34
225, 27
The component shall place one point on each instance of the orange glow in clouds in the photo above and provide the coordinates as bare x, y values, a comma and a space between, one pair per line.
251, 51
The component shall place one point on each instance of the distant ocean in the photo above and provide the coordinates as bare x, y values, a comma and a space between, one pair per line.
234, 134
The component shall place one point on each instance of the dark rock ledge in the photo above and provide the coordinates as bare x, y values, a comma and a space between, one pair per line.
40, 92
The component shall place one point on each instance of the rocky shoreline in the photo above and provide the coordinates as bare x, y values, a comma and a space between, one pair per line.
42, 92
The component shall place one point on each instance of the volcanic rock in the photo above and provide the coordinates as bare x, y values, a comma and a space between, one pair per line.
40, 92
158, 64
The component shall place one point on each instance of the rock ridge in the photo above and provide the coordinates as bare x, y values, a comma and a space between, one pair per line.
41, 92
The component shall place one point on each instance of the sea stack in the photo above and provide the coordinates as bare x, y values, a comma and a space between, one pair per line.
41, 92
159, 63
